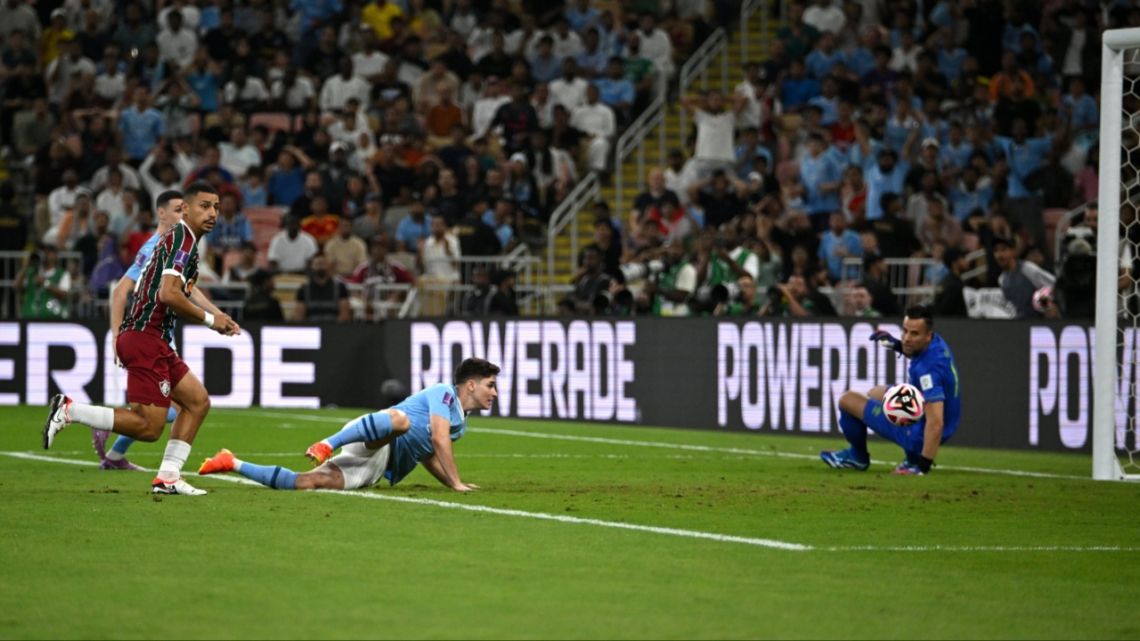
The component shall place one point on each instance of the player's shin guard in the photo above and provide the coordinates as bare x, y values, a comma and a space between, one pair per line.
855, 432
370, 427
273, 476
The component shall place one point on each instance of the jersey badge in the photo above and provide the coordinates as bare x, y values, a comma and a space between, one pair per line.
926, 381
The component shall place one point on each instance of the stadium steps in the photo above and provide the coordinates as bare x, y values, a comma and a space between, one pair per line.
674, 138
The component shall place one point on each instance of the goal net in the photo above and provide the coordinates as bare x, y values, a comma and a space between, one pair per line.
1116, 452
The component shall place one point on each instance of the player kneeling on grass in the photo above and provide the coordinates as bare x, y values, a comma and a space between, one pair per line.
386, 444
933, 371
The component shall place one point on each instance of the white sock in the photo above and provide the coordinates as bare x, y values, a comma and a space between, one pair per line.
237, 464
173, 459
113, 455
93, 416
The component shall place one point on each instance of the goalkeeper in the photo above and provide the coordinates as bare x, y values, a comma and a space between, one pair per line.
933, 371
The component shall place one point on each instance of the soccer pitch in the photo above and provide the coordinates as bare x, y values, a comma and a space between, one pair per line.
580, 531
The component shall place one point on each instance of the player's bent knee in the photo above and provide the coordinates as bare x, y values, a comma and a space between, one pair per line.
400, 422
852, 402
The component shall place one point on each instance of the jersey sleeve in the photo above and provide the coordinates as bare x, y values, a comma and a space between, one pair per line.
135, 270
178, 245
932, 385
440, 400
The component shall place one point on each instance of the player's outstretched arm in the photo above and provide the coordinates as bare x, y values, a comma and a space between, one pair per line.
170, 294
444, 458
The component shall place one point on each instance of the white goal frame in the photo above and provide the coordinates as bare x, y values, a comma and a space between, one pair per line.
1105, 464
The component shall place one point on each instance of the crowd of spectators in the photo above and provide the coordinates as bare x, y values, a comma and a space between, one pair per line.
879, 130
400, 135
396, 135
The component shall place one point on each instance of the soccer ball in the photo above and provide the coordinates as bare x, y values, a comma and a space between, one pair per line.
1043, 299
903, 404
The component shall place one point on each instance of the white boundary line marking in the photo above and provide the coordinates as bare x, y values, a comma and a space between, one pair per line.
700, 448
692, 534
542, 516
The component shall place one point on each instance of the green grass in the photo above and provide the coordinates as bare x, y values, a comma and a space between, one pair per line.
90, 554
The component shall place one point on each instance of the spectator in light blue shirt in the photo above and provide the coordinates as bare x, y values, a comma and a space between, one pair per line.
412, 228
797, 89
232, 228
1024, 156
821, 174
581, 15
821, 59
837, 244
544, 65
950, 58
970, 193
1079, 108
956, 151
593, 60
141, 126
615, 89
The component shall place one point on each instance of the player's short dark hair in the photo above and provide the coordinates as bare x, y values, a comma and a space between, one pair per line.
925, 312
474, 368
165, 197
199, 187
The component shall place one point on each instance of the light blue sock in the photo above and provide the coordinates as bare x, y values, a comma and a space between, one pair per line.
122, 444
171, 414
273, 476
370, 427
855, 432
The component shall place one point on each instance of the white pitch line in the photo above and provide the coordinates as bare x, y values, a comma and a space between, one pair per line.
485, 509
692, 534
705, 448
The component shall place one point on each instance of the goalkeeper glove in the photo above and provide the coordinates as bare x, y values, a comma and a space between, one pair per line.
914, 466
886, 340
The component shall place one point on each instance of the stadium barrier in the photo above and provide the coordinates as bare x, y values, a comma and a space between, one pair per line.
1024, 385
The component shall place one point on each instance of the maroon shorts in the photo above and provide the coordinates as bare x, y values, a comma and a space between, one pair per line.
153, 368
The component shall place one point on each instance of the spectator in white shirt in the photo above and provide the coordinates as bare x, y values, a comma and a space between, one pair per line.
114, 160
596, 120
569, 90
825, 17
112, 199
62, 198
64, 72
246, 93
111, 77
238, 155
188, 12
656, 46
716, 140
486, 107
293, 92
369, 62
177, 43
567, 43
338, 89
351, 123
291, 248
438, 253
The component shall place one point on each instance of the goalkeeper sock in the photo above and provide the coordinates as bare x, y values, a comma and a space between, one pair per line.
370, 427
119, 449
855, 432
274, 476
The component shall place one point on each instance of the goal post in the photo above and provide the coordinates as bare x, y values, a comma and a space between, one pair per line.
1116, 324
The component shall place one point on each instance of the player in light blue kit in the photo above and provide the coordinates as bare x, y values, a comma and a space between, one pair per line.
386, 444
168, 207
933, 371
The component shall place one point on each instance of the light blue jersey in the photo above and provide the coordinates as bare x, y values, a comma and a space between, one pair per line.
145, 251
413, 446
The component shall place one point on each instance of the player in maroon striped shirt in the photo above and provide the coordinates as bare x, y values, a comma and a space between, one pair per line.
155, 373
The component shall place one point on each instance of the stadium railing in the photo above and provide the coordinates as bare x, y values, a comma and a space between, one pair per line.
633, 139
583, 194
910, 279
747, 8
443, 294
